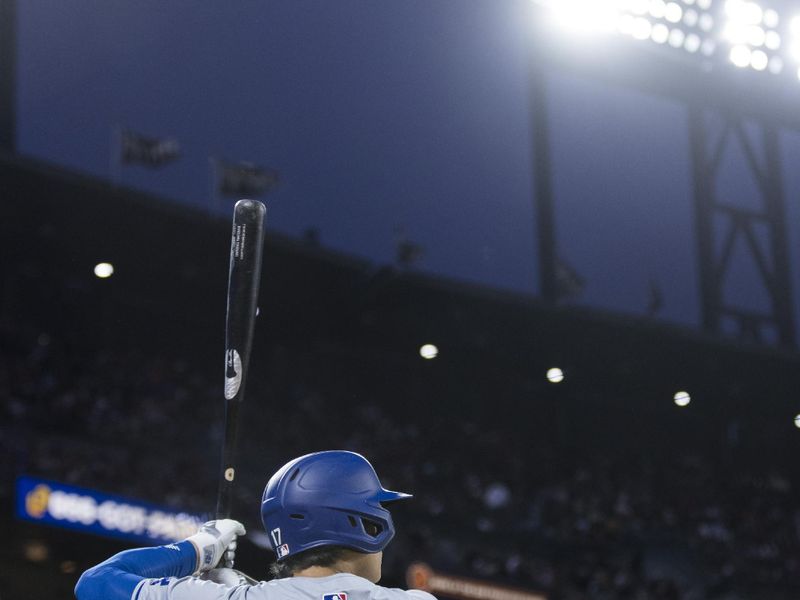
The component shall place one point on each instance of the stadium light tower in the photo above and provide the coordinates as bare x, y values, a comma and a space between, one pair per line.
735, 64
8, 66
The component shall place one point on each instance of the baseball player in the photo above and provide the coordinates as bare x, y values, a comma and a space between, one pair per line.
325, 519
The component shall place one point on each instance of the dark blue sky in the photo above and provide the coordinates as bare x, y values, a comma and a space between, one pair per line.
382, 114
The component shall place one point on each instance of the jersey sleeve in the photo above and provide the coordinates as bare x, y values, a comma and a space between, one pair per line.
119, 576
189, 588
420, 595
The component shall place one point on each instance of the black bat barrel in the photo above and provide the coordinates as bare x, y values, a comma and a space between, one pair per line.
244, 275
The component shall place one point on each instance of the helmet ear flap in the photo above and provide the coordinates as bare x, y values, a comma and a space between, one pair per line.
371, 528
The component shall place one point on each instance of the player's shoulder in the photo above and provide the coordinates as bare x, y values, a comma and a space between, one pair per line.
384, 593
342, 586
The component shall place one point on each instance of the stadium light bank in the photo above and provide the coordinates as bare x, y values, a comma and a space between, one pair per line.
740, 33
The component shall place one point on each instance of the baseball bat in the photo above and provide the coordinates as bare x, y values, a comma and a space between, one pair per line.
244, 275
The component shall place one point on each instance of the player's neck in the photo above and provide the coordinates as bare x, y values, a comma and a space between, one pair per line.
367, 566
316, 571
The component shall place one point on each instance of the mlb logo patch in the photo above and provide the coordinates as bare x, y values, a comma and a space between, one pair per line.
283, 550
337, 596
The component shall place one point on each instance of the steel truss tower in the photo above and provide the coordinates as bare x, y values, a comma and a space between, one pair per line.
715, 244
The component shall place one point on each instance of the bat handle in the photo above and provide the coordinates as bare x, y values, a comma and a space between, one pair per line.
228, 471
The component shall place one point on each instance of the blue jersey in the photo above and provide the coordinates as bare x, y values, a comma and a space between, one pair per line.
164, 573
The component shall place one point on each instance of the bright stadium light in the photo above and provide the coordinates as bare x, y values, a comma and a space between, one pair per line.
797, 421
429, 351
756, 36
682, 398
740, 56
743, 32
658, 9
706, 22
103, 270
676, 38
640, 7
673, 12
772, 40
660, 33
587, 16
743, 12
759, 60
642, 28
771, 18
775, 65
555, 375
692, 43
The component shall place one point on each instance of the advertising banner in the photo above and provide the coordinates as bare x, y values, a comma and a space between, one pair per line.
61, 505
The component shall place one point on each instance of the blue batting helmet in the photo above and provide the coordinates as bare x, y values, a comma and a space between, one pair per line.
327, 498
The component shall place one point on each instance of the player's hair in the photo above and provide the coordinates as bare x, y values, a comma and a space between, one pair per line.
321, 556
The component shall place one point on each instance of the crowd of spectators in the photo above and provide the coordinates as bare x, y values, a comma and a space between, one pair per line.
498, 503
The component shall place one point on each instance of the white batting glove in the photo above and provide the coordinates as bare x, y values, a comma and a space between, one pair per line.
216, 540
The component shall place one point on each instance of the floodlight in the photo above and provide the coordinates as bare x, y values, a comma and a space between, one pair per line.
690, 17
103, 270
797, 421
676, 38
736, 33
704, 4
626, 24
428, 351
772, 40
587, 15
692, 43
759, 60
673, 12
641, 28
555, 375
756, 36
771, 18
747, 13
775, 65
706, 22
658, 8
741, 56
708, 47
795, 25
639, 7
682, 399
660, 33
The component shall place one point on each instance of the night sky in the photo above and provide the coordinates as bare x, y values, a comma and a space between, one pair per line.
379, 115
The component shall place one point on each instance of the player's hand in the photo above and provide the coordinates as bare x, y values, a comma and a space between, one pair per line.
216, 541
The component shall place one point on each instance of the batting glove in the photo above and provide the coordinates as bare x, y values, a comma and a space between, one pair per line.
216, 541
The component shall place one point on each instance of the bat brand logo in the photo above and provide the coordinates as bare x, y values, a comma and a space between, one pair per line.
233, 374
336, 596
276, 536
